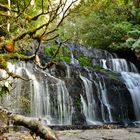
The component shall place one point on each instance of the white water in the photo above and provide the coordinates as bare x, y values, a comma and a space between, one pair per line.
105, 101
73, 60
131, 78
13, 101
56, 110
102, 95
118, 65
89, 103
68, 70
49, 97
132, 81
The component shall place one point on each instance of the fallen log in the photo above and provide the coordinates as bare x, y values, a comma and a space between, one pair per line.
34, 125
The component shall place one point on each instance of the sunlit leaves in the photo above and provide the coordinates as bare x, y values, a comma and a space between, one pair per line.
100, 23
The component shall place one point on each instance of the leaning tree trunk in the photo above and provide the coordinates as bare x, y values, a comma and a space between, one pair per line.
35, 126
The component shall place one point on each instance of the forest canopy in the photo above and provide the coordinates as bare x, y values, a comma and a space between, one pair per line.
107, 24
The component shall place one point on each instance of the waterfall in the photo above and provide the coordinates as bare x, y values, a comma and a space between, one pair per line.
73, 60
131, 77
67, 70
48, 95
118, 65
105, 101
102, 95
89, 104
54, 109
132, 81
69, 94
71, 48
8, 100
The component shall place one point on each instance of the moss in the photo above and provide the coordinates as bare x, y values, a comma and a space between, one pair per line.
65, 59
63, 54
110, 74
3, 63
78, 103
97, 67
17, 56
85, 61
47, 51
25, 105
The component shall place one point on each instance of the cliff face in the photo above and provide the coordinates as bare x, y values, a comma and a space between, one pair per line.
109, 99
72, 95
69, 94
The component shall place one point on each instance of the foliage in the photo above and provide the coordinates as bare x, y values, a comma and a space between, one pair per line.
23, 103
65, 59
131, 40
85, 61
22, 22
119, 31
103, 24
63, 54
134, 33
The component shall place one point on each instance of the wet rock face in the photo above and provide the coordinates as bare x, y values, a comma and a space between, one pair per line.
74, 87
119, 99
132, 56
70, 94
87, 51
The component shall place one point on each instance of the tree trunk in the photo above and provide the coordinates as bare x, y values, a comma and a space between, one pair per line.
9, 6
35, 126
136, 3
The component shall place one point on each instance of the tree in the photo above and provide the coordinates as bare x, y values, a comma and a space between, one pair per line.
29, 20
103, 24
136, 3
20, 23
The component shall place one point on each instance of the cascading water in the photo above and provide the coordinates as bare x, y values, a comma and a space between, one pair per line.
89, 106
48, 95
73, 60
12, 101
118, 65
67, 70
105, 102
132, 81
70, 94
130, 76
54, 109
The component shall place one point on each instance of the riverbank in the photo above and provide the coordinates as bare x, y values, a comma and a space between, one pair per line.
92, 134
100, 134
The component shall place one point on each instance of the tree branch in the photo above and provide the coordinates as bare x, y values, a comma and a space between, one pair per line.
6, 15
35, 126
6, 8
17, 56
13, 75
